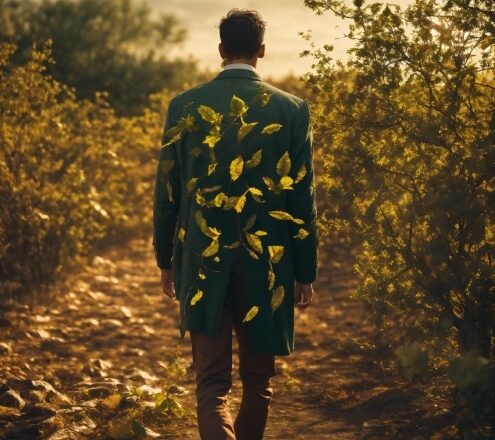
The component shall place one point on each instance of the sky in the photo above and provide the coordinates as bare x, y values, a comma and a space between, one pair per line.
285, 19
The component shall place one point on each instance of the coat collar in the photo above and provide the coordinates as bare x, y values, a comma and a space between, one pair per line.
238, 73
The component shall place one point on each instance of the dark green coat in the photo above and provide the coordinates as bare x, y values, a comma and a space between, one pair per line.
193, 223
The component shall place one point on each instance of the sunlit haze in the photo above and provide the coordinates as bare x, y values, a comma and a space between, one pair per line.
285, 19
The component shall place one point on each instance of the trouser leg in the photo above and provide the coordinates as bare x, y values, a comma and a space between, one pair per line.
255, 370
212, 360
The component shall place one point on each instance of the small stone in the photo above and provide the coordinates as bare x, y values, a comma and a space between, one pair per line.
12, 399
5, 348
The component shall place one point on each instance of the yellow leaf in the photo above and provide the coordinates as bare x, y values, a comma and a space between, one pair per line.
182, 234
191, 184
301, 173
253, 254
112, 401
282, 215
278, 297
213, 233
250, 222
236, 167
167, 165
244, 130
239, 204
196, 297
286, 182
302, 233
211, 250
283, 165
276, 253
253, 311
212, 139
271, 185
255, 191
201, 274
271, 128
261, 233
218, 200
271, 279
209, 115
210, 189
233, 245
255, 160
216, 259
200, 200
238, 107
211, 168
255, 242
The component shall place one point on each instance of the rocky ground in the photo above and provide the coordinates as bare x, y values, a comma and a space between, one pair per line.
97, 359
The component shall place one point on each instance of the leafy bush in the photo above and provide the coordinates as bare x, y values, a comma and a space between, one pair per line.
410, 164
71, 172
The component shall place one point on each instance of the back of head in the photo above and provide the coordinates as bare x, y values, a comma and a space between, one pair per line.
241, 33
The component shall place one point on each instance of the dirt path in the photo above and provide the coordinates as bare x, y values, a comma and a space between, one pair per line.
112, 326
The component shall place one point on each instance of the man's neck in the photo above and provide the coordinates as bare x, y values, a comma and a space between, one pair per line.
248, 61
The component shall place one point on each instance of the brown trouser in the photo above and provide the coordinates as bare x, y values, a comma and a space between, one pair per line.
212, 359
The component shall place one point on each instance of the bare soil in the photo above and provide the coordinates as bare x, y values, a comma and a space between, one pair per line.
110, 326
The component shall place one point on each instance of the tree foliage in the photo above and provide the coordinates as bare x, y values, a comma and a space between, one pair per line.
100, 45
409, 125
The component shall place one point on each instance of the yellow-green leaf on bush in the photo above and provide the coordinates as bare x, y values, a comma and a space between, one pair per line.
276, 253
255, 242
211, 250
283, 164
271, 128
301, 173
191, 184
244, 130
253, 311
278, 297
236, 167
282, 215
302, 233
255, 159
197, 296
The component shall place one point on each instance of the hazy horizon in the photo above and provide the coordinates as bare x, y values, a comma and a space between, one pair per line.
285, 19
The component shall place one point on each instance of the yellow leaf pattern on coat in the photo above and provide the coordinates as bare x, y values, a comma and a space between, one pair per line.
278, 297
271, 128
244, 130
255, 242
255, 160
301, 173
253, 311
182, 234
302, 233
236, 167
282, 215
211, 250
271, 279
198, 295
283, 165
191, 184
276, 253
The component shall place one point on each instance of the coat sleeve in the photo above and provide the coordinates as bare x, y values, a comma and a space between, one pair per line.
166, 197
301, 200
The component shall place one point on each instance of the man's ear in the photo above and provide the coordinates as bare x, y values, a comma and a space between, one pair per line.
261, 51
221, 51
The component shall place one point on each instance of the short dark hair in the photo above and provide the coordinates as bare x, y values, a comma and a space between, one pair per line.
241, 33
